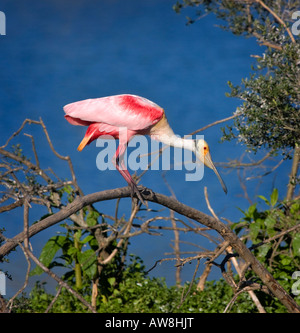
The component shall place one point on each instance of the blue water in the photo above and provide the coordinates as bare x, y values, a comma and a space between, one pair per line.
57, 52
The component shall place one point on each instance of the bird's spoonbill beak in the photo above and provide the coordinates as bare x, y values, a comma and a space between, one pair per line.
209, 163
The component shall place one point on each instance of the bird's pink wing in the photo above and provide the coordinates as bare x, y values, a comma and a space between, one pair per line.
130, 111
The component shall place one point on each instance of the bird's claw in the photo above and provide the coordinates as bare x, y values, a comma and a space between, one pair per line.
136, 191
145, 190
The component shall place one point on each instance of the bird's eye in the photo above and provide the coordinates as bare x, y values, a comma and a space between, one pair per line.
204, 148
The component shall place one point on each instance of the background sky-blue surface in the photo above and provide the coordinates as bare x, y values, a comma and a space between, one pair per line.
56, 52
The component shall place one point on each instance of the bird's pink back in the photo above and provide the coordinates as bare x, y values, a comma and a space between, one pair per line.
133, 112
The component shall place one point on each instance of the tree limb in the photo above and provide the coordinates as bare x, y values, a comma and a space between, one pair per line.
180, 208
291, 185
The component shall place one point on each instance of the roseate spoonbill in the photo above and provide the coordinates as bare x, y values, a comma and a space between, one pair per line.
137, 116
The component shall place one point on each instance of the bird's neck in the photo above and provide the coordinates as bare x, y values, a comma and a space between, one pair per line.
173, 140
163, 132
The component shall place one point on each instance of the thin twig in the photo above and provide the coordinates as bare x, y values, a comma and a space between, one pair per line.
234, 261
60, 281
34, 149
54, 299
10, 302
190, 286
213, 124
29, 121
176, 246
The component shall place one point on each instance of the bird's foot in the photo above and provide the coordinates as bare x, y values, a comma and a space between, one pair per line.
136, 191
145, 191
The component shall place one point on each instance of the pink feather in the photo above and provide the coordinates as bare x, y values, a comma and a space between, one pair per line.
130, 111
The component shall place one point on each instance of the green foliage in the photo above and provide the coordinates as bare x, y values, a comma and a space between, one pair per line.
48, 252
39, 300
281, 255
71, 244
77, 250
137, 293
140, 294
269, 116
127, 288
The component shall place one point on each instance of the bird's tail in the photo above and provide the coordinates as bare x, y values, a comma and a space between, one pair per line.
83, 143
92, 133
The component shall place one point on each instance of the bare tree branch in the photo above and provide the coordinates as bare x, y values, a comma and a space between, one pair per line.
180, 208
44, 191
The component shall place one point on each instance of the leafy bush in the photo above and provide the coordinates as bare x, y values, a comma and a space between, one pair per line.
141, 295
274, 236
137, 293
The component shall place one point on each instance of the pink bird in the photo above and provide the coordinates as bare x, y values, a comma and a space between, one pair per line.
137, 116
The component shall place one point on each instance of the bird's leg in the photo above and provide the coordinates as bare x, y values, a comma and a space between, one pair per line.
119, 164
134, 189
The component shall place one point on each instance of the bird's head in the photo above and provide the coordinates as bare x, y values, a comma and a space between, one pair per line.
203, 154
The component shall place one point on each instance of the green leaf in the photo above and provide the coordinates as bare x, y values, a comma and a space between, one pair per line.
286, 261
88, 262
92, 218
274, 197
263, 250
254, 231
72, 252
238, 227
295, 207
68, 189
270, 221
77, 235
48, 253
87, 239
252, 210
296, 245
264, 199
111, 280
